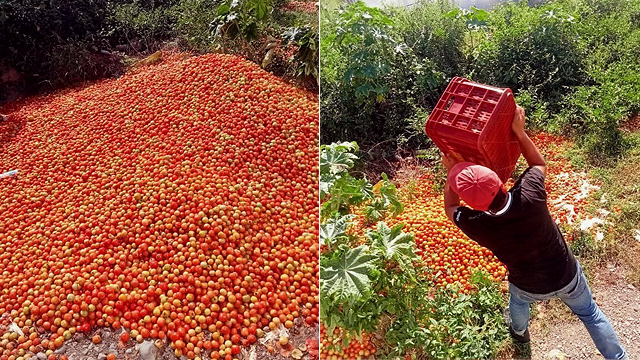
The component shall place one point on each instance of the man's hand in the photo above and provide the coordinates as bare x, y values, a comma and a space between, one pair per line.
451, 159
518, 121
529, 150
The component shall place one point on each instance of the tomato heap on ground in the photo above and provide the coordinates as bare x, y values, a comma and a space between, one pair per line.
332, 347
179, 201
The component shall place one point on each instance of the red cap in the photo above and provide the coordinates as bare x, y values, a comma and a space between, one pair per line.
476, 185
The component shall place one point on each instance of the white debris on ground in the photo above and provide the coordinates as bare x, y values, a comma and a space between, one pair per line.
556, 354
636, 234
589, 223
586, 189
16, 329
566, 202
570, 209
249, 354
274, 335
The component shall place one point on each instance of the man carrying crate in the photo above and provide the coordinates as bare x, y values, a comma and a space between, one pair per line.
517, 227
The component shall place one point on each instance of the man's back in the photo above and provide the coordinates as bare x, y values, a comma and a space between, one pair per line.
524, 237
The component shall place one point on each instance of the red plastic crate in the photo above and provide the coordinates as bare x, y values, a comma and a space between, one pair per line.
474, 120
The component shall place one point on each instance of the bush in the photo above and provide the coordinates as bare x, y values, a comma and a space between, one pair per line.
142, 27
194, 24
536, 50
373, 83
38, 38
433, 35
58, 43
572, 64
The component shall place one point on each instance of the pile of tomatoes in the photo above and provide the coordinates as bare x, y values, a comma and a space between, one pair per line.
333, 348
177, 202
568, 190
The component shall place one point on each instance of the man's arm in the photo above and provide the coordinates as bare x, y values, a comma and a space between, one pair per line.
529, 150
451, 199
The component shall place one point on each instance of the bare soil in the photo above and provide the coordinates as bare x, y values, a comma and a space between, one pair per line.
80, 347
554, 327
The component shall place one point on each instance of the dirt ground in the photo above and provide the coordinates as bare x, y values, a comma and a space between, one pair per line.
80, 347
554, 329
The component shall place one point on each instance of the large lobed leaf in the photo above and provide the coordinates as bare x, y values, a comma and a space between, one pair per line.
334, 229
394, 244
345, 276
389, 196
337, 157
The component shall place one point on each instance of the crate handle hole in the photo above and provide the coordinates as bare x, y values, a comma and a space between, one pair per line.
450, 103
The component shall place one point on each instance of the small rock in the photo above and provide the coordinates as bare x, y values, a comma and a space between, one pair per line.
129, 350
41, 356
102, 356
148, 350
556, 354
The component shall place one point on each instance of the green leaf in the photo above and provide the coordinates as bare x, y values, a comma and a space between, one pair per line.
223, 9
452, 14
337, 157
374, 211
326, 181
394, 244
344, 192
261, 9
335, 228
389, 196
345, 276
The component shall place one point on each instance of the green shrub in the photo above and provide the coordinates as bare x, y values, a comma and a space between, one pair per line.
194, 24
532, 49
38, 37
572, 64
433, 35
373, 83
142, 27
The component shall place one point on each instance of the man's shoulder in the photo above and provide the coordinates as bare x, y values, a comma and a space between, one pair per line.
465, 215
530, 186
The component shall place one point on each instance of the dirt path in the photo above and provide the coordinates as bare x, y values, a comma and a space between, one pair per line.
555, 328
80, 347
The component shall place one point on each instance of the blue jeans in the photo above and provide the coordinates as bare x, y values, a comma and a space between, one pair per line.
578, 298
